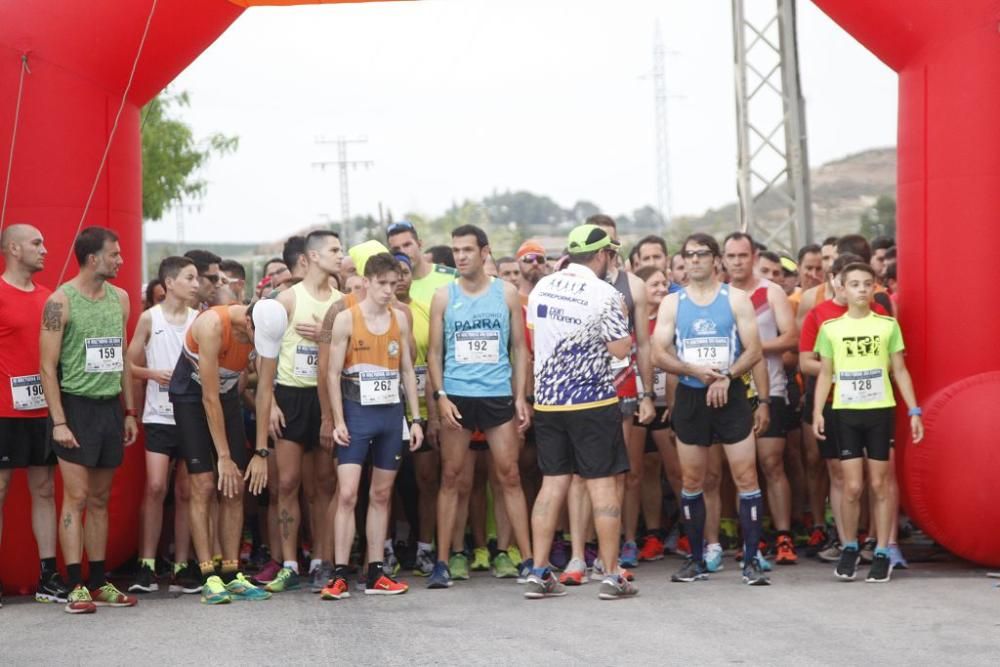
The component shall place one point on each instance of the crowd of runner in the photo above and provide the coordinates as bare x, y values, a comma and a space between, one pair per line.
551, 419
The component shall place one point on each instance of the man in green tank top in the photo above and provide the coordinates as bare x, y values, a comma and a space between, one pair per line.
86, 381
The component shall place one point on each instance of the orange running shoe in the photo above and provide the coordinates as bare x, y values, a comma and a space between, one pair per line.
575, 573
683, 546
336, 589
785, 551
386, 586
652, 549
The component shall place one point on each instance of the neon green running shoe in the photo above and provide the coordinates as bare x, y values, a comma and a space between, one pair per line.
503, 567
214, 592
240, 588
285, 580
459, 566
480, 560
515, 554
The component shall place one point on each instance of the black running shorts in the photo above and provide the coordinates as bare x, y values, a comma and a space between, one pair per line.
865, 433
98, 424
695, 423
300, 406
196, 446
586, 442
482, 414
24, 442
162, 439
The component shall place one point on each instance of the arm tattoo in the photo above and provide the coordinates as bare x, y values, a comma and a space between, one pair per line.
52, 316
609, 511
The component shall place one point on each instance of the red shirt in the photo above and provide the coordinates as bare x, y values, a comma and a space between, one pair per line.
828, 310
20, 325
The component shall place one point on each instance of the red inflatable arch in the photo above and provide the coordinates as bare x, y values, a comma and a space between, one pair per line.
81, 57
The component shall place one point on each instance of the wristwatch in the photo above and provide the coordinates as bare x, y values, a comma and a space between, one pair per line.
766, 400
262, 453
438, 393
131, 412
648, 394
418, 420
728, 373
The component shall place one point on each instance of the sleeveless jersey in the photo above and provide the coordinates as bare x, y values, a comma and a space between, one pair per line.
476, 343
163, 349
706, 335
298, 358
20, 379
659, 376
92, 358
421, 338
767, 326
371, 365
625, 369
422, 289
234, 357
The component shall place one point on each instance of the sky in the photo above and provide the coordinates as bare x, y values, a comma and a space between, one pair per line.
458, 98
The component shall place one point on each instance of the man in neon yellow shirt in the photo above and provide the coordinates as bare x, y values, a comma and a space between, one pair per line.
858, 350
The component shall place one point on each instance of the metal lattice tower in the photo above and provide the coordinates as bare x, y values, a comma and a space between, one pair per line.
342, 164
773, 167
664, 197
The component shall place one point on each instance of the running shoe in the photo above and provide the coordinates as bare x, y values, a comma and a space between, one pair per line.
320, 576
597, 571
515, 554
424, 564
629, 556
753, 573
186, 580
480, 559
691, 570
145, 581
386, 586
390, 564
286, 580
683, 546
524, 570
881, 570
896, 558
652, 549
440, 577
867, 551
108, 595
246, 550
713, 558
785, 551
537, 587
818, 537
765, 564
831, 554
260, 556
503, 567
336, 589
79, 602
616, 587
670, 544
51, 588
240, 588
458, 566
575, 573
589, 554
847, 567
267, 573
214, 592
561, 552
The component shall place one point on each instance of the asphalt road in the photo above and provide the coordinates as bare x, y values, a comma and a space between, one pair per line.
934, 613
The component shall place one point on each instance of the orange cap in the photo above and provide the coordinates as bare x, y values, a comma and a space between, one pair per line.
530, 247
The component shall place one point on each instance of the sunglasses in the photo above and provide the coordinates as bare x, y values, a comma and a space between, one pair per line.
533, 259
403, 226
700, 254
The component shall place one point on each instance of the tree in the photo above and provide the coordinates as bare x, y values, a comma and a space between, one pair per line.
171, 156
880, 220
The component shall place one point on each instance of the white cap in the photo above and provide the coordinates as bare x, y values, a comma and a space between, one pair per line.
270, 320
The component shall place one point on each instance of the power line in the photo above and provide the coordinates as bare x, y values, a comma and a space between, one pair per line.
342, 164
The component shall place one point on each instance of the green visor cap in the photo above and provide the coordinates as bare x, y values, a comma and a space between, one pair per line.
589, 238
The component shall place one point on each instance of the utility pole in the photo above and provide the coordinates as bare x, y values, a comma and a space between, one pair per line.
771, 124
342, 163
664, 197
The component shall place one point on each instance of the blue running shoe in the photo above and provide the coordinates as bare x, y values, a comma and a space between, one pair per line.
762, 563
524, 570
896, 558
440, 576
629, 557
713, 558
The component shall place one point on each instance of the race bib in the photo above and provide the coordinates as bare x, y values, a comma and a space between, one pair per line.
620, 364
477, 347
660, 383
26, 392
406, 430
859, 387
306, 361
164, 407
104, 355
712, 351
379, 387
421, 372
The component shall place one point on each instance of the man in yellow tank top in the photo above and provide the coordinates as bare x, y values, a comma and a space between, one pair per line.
299, 422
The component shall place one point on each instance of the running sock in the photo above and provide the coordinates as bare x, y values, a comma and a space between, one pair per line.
750, 513
48, 565
851, 545
148, 563
74, 572
230, 568
340, 572
207, 569
693, 510
882, 551
292, 565
374, 573
96, 578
